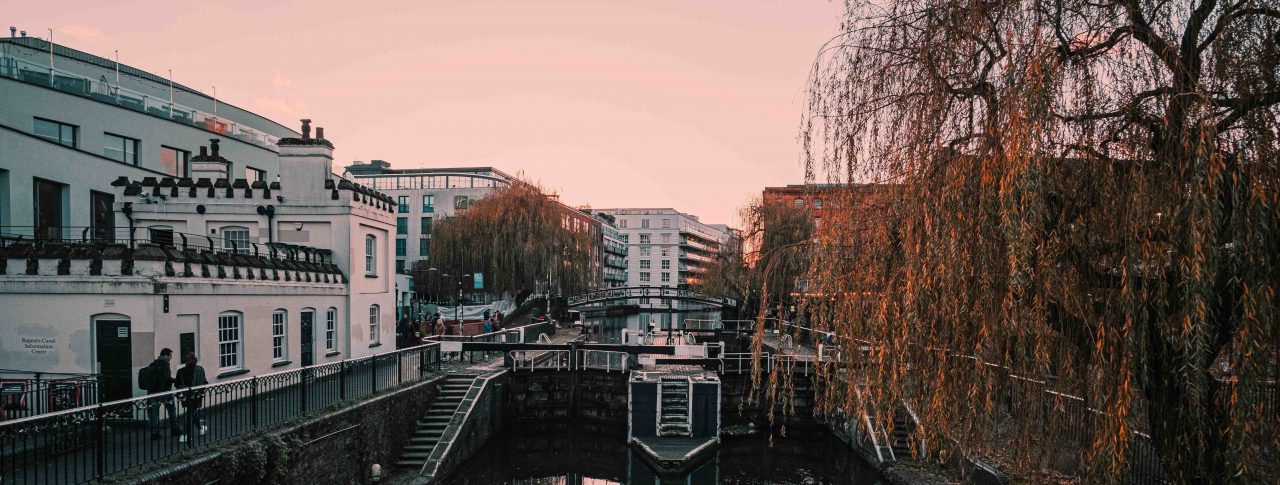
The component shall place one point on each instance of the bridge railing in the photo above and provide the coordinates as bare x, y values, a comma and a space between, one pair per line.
636, 292
530, 360
88, 443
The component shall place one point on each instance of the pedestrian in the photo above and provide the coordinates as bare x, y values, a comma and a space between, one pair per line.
488, 325
437, 325
486, 314
403, 330
157, 378
191, 375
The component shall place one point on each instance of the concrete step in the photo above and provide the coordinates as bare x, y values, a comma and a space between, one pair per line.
416, 455
410, 463
412, 448
423, 439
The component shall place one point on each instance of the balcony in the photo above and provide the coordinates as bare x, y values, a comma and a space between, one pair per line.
68, 82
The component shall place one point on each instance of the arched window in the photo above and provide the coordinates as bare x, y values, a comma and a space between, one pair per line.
375, 336
817, 203
798, 202
279, 342
331, 330
229, 340
235, 239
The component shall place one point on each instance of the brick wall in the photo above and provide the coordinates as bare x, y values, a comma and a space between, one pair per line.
338, 446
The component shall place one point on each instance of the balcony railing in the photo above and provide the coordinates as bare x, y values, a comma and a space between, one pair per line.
38, 74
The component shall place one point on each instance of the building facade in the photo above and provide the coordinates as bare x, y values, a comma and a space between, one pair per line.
68, 130
614, 251
666, 247
423, 197
253, 277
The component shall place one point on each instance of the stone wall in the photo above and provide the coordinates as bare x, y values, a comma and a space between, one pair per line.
338, 446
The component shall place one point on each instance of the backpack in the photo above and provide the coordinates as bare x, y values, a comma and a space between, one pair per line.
147, 378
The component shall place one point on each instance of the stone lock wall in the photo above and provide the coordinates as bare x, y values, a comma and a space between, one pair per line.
589, 394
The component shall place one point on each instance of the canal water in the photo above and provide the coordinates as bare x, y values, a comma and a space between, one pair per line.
570, 453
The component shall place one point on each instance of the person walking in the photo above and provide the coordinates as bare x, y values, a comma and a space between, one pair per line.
488, 325
191, 375
487, 314
157, 378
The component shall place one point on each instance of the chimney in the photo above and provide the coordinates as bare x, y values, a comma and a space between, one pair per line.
13, 31
209, 165
305, 164
24, 33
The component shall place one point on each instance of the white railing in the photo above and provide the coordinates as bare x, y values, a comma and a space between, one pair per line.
539, 359
605, 360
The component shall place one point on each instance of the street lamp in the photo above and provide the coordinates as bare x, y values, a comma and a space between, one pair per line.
457, 302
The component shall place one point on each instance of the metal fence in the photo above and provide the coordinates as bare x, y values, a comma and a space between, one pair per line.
24, 394
605, 360
88, 443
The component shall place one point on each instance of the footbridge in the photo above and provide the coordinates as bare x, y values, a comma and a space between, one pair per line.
610, 295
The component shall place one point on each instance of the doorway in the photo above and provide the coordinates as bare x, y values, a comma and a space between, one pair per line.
115, 353
307, 336
102, 216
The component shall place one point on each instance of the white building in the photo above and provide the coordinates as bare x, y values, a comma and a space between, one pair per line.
424, 196
67, 132
117, 239
666, 247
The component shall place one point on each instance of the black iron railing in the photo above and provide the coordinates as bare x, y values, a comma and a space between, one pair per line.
92, 442
24, 393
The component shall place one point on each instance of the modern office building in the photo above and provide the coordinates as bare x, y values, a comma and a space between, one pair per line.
72, 122
666, 247
424, 196
614, 252
253, 277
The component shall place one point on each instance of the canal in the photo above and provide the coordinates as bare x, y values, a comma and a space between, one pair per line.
574, 452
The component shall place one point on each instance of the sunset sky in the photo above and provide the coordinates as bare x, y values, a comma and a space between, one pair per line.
693, 105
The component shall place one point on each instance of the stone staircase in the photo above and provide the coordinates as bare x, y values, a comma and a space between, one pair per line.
432, 425
674, 418
900, 440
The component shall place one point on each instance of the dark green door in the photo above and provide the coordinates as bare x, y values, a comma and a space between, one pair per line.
307, 337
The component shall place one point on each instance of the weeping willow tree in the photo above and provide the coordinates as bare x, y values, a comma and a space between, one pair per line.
775, 236
520, 238
1086, 202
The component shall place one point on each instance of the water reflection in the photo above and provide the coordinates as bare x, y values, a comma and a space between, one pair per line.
569, 453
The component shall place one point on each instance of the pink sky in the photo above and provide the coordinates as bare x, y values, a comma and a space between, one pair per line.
693, 105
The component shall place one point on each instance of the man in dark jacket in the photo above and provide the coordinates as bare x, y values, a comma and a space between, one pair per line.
163, 378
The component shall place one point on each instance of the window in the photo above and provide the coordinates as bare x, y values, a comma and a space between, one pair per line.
120, 148
666, 264
798, 202
666, 252
331, 330
644, 250
48, 208
401, 245
374, 335
174, 161
626, 239
666, 276
460, 202
102, 216
666, 237
666, 223
235, 239
229, 341
622, 223
424, 246
644, 264
425, 226
279, 322
817, 203
404, 203
428, 203
644, 239
254, 175
644, 223
402, 225
400, 266
644, 276
56, 132
161, 235
371, 255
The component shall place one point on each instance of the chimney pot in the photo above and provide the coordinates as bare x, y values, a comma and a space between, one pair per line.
319, 132
306, 128
213, 146
204, 151
13, 31
24, 33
